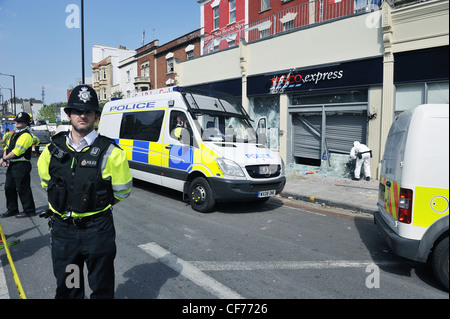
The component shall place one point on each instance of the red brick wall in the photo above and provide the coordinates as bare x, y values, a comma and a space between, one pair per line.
179, 53
224, 21
254, 8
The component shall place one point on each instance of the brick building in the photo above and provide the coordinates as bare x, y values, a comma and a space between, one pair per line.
155, 64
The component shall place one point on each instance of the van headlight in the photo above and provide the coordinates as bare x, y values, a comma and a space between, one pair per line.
230, 167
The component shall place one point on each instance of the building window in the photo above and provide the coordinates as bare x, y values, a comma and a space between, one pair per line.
265, 29
288, 25
265, 5
189, 51
232, 11
103, 94
128, 76
231, 40
104, 74
288, 21
170, 82
216, 17
145, 70
170, 62
409, 96
264, 33
170, 65
438, 93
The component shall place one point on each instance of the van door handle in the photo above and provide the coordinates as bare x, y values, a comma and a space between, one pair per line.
168, 147
388, 183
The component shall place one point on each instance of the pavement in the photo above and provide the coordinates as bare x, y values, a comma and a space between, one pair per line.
335, 191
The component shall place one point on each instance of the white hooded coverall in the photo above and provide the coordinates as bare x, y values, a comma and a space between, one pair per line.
365, 158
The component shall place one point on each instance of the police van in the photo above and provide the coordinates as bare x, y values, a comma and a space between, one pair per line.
199, 143
413, 201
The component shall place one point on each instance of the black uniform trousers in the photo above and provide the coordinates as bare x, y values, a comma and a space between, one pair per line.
91, 242
18, 182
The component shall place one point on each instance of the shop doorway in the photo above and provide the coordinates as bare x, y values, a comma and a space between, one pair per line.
317, 132
326, 123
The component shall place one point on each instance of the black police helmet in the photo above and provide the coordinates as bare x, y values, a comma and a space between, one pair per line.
23, 117
83, 98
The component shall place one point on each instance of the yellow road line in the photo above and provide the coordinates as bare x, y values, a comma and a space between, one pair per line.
13, 268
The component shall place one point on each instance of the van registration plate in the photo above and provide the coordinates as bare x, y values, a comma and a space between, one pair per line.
266, 193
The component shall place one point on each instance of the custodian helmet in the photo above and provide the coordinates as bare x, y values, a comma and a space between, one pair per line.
23, 117
83, 98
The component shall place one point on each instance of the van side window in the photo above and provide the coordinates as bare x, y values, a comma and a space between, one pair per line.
143, 126
179, 127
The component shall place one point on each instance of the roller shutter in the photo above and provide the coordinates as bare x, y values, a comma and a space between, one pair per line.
342, 129
306, 141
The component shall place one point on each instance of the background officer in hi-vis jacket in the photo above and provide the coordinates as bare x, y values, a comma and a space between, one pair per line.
16, 157
84, 174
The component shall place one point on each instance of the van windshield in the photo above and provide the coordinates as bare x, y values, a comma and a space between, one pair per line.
219, 103
220, 117
224, 128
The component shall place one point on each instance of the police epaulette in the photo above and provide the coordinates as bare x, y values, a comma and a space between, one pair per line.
62, 133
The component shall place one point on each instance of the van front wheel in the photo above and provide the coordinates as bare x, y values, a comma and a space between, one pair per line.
440, 262
201, 196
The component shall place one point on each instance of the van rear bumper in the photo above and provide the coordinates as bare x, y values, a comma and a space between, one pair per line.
403, 247
243, 190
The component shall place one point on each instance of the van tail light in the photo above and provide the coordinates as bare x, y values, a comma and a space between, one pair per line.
405, 205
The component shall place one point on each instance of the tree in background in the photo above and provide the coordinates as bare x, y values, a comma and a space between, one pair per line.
50, 112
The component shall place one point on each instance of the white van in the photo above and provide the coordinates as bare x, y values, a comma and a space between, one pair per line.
413, 201
201, 144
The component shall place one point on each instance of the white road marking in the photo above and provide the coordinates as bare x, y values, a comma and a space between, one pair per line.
193, 269
189, 271
289, 265
4, 292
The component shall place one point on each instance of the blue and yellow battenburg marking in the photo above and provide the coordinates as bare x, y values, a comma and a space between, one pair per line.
181, 157
178, 157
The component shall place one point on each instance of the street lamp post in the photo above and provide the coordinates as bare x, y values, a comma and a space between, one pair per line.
82, 42
14, 89
10, 91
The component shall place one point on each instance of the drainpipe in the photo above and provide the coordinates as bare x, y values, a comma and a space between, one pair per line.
243, 65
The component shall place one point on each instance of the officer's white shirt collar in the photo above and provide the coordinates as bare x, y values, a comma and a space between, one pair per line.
85, 142
18, 131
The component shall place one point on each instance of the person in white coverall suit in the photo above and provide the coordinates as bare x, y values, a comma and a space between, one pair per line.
362, 154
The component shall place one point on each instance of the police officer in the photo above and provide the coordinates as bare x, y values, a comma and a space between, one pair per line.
84, 174
16, 157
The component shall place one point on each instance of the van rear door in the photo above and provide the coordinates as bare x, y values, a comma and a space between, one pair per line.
391, 169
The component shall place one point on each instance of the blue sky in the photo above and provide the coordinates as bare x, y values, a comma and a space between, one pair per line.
40, 50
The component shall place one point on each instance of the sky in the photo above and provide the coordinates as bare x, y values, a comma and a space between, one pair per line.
40, 50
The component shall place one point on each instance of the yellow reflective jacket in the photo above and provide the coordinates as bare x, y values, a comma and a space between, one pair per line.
23, 143
115, 170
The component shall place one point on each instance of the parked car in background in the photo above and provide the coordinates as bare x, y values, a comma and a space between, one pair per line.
43, 133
